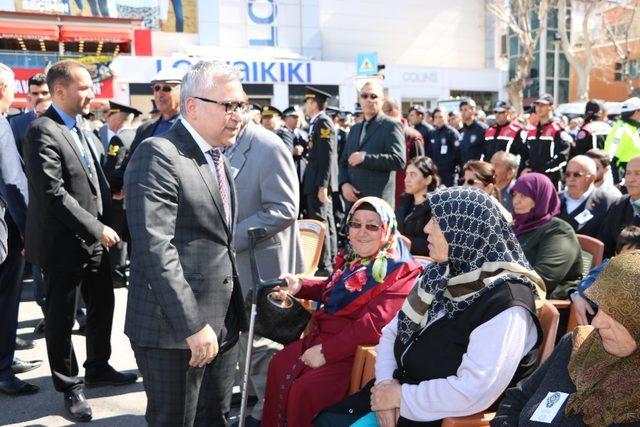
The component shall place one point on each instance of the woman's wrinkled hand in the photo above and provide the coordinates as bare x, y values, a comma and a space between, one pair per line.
581, 308
313, 357
294, 283
386, 395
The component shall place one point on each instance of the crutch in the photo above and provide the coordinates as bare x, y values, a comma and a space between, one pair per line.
259, 285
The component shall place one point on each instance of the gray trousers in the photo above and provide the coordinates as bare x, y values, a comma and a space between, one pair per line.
263, 351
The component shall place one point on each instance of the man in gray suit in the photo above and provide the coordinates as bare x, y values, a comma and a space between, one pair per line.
375, 150
265, 175
185, 308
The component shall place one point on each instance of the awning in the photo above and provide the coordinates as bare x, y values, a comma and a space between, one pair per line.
76, 33
28, 30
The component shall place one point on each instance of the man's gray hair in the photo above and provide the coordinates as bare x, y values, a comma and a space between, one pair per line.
200, 79
510, 159
6, 74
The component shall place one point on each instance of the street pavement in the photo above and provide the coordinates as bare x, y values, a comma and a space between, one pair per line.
112, 406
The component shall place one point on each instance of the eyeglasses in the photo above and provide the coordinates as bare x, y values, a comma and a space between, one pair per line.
229, 107
370, 227
371, 96
575, 174
470, 181
42, 92
164, 88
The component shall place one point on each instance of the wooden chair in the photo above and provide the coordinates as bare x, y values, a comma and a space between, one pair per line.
549, 318
312, 234
593, 253
364, 368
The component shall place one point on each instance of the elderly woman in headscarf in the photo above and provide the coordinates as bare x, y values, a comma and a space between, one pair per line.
467, 330
372, 276
593, 376
549, 243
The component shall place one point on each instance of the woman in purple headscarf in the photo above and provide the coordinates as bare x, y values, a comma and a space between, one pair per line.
549, 243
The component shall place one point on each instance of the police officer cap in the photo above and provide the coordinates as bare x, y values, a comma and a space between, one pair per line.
290, 112
344, 115
170, 75
470, 102
501, 106
594, 106
546, 99
630, 105
270, 110
418, 109
357, 109
114, 107
317, 94
255, 107
332, 111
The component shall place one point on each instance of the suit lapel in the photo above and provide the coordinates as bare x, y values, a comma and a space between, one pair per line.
244, 144
371, 129
205, 171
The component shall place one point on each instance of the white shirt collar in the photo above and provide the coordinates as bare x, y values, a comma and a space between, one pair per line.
584, 197
204, 146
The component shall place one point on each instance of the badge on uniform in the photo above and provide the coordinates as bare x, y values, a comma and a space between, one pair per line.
584, 217
325, 133
113, 150
473, 138
444, 149
549, 407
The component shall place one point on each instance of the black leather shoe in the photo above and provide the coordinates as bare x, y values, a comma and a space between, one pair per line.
15, 386
78, 408
22, 344
21, 366
109, 376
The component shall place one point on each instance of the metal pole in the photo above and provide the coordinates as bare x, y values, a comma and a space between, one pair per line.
556, 69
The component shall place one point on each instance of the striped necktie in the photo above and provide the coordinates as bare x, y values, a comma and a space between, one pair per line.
222, 182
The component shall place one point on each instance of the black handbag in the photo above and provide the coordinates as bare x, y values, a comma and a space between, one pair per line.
279, 321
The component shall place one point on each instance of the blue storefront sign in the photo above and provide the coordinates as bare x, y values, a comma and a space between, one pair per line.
260, 71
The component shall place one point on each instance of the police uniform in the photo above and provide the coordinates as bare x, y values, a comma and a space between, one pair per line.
507, 137
322, 171
591, 135
282, 131
443, 148
424, 128
472, 141
623, 142
548, 146
117, 149
300, 161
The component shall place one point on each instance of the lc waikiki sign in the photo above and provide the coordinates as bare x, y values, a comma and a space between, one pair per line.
292, 72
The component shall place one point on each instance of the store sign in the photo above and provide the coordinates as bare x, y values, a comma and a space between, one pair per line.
103, 89
258, 71
261, 26
420, 77
58, 7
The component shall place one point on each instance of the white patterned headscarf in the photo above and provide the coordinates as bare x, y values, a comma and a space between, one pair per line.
483, 253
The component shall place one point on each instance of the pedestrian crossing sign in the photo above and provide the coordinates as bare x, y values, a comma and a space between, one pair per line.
367, 63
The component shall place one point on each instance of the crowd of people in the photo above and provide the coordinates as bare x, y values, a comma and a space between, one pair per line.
444, 230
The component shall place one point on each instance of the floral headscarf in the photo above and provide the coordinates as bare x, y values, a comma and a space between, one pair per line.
356, 275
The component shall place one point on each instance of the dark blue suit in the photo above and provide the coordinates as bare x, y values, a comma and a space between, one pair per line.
13, 188
19, 125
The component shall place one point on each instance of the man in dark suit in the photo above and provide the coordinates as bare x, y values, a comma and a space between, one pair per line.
321, 175
582, 205
416, 119
625, 211
38, 89
13, 189
67, 235
375, 151
166, 94
185, 308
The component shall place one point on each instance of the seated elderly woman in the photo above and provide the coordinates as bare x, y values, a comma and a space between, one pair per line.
412, 212
467, 330
483, 175
592, 377
372, 276
549, 243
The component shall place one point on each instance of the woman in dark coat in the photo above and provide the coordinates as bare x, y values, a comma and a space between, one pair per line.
371, 278
549, 243
412, 212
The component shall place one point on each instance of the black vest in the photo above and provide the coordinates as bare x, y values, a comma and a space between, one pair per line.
436, 351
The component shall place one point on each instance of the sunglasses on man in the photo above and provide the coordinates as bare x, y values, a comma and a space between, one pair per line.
164, 88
